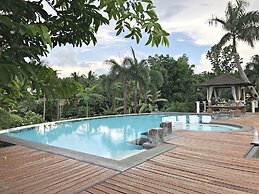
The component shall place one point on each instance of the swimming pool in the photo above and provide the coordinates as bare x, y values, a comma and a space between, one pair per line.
106, 137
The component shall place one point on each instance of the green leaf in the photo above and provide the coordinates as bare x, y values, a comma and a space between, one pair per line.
6, 21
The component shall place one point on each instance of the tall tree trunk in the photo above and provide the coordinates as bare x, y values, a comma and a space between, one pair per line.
135, 100
58, 109
243, 75
44, 107
125, 101
125, 97
87, 109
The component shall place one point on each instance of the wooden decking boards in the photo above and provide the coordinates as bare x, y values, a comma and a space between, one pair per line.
26, 170
202, 162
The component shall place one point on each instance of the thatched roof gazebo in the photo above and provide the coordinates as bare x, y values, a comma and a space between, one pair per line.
215, 85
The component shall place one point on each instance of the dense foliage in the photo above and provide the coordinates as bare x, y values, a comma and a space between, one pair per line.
156, 83
178, 76
31, 92
28, 31
240, 25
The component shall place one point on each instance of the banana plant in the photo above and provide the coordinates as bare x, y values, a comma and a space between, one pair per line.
151, 101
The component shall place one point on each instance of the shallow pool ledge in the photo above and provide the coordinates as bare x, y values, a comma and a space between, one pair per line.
243, 128
118, 165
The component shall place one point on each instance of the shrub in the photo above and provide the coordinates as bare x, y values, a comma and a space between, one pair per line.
180, 107
32, 118
9, 120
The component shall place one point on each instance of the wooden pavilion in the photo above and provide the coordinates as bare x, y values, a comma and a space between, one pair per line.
215, 86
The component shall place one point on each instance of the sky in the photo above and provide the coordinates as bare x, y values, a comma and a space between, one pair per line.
190, 34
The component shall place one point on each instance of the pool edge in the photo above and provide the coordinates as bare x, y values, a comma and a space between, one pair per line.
118, 165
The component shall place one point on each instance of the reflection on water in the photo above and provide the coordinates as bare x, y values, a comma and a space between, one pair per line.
105, 137
210, 127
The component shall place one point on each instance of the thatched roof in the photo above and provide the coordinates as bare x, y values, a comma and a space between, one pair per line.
224, 80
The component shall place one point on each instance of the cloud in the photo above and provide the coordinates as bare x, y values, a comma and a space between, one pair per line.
98, 68
205, 65
245, 52
68, 60
188, 17
192, 19
106, 36
62, 56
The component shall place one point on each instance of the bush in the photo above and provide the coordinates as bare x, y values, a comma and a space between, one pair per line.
180, 107
9, 120
32, 118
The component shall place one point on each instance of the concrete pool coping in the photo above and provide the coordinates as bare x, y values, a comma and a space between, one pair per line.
91, 118
118, 165
243, 128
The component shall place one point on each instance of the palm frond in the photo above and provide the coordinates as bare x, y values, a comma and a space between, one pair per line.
226, 38
215, 21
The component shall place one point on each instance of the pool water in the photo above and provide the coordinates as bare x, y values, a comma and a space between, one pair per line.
105, 137
210, 127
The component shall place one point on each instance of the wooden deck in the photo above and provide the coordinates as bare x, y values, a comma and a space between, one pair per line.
25, 170
201, 163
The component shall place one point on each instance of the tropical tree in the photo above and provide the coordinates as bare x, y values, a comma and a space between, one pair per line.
178, 83
252, 71
222, 59
87, 95
240, 25
140, 75
27, 30
151, 102
123, 74
111, 89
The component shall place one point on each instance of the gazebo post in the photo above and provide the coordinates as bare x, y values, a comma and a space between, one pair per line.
209, 95
244, 95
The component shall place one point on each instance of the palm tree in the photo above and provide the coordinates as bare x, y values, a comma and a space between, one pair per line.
111, 89
240, 25
140, 74
122, 73
87, 95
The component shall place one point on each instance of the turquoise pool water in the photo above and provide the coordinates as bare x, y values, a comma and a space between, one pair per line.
105, 137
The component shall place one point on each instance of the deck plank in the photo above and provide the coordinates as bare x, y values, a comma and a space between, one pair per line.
26, 170
202, 162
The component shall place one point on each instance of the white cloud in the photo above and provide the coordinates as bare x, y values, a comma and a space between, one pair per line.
192, 17
106, 36
98, 68
177, 56
187, 16
245, 52
205, 65
139, 55
67, 60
